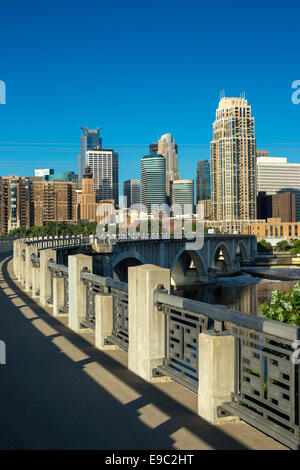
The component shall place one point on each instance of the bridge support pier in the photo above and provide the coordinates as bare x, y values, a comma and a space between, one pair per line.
216, 375
77, 289
146, 324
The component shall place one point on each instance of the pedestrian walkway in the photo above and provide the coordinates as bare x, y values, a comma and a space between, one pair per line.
59, 392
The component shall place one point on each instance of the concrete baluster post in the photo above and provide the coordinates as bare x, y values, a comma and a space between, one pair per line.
58, 294
29, 250
45, 275
16, 245
23, 262
103, 321
216, 375
77, 289
35, 282
146, 324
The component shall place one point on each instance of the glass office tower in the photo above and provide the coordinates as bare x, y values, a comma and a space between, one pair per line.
89, 140
153, 171
104, 167
183, 195
203, 180
132, 191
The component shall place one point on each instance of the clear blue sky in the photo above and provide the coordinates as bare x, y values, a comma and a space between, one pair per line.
138, 70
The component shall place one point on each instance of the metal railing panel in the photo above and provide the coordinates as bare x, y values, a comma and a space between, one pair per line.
120, 319
266, 391
182, 329
266, 378
223, 314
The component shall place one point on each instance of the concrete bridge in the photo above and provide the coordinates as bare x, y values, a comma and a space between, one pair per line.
220, 255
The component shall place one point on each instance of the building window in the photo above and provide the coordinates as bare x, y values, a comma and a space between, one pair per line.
276, 231
290, 230
267, 231
271, 230
281, 230
296, 230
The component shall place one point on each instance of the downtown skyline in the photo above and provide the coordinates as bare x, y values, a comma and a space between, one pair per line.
56, 95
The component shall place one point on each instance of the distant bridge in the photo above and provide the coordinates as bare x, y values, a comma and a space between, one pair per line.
220, 254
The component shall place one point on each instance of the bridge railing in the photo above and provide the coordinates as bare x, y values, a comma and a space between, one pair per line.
96, 285
240, 365
266, 372
56, 242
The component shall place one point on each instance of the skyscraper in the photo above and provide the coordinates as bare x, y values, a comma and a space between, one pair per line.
14, 202
132, 191
281, 205
203, 180
166, 146
233, 162
183, 195
153, 170
89, 140
275, 174
153, 148
87, 207
104, 167
52, 201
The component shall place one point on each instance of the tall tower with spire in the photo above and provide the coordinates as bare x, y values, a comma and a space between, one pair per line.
233, 161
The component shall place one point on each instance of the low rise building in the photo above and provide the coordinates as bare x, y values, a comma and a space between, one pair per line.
273, 228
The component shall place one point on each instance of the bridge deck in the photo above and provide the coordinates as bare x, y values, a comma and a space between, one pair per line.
59, 392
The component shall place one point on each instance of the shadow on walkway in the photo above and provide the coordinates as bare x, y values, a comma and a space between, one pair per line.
50, 400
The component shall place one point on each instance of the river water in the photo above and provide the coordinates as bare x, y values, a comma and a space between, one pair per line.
244, 293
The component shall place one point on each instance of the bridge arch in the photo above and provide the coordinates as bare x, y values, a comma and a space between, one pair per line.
123, 261
241, 252
221, 259
187, 267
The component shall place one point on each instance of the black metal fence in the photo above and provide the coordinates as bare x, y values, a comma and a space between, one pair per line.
266, 370
267, 381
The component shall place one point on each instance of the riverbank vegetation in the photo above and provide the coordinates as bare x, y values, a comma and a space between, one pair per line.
51, 229
283, 307
291, 247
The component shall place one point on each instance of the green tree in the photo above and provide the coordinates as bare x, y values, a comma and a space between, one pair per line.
296, 247
264, 247
283, 245
283, 307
